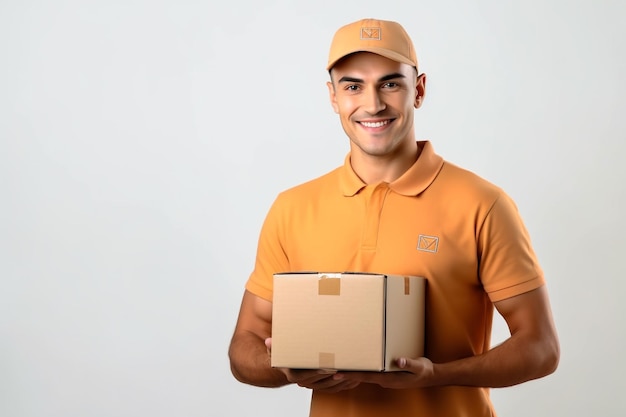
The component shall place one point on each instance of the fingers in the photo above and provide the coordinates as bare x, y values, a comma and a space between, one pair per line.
307, 378
331, 385
415, 373
319, 380
340, 386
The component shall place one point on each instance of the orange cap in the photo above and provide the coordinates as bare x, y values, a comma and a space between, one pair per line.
381, 37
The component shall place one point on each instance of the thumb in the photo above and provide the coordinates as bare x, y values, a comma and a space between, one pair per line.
418, 366
268, 344
408, 363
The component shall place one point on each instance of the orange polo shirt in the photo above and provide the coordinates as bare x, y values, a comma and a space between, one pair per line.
438, 221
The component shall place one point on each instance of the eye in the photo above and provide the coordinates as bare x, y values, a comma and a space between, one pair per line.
390, 84
352, 87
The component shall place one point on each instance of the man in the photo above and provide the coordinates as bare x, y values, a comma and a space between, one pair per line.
396, 207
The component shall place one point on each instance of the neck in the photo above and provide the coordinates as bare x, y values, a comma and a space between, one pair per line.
373, 169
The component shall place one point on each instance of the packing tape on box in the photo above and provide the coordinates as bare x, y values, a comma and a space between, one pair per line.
329, 286
327, 360
407, 286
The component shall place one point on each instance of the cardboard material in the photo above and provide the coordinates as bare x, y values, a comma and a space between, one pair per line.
346, 321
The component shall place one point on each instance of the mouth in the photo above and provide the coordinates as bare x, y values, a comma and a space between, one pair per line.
375, 124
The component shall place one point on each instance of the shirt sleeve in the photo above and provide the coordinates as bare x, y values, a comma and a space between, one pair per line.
271, 257
508, 264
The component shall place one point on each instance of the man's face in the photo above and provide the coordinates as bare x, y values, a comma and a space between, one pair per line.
375, 98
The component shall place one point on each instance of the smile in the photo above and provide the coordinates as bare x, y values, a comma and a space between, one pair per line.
375, 124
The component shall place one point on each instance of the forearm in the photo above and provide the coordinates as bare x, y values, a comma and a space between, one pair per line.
515, 361
250, 362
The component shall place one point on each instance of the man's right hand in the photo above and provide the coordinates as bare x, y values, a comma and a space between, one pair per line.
325, 380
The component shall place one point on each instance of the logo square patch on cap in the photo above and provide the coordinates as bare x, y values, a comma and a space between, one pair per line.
371, 34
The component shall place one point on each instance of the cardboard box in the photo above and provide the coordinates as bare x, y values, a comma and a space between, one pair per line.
346, 321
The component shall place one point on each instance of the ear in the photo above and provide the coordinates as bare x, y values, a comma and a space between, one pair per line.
420, 90
332, 96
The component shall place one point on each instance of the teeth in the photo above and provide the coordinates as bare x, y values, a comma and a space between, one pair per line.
375, 124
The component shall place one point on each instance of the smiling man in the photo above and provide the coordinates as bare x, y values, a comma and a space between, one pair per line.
396, 207
375, 98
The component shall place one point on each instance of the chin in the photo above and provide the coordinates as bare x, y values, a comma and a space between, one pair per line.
377, 150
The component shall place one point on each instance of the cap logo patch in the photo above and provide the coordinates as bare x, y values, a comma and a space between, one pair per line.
370, 33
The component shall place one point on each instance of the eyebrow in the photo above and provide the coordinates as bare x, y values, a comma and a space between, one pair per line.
388, 77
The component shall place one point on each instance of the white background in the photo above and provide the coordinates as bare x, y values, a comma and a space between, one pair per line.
142, 142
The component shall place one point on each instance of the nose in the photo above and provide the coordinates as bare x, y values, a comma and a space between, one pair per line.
373, 102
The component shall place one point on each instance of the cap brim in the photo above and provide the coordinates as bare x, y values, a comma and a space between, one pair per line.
394, 56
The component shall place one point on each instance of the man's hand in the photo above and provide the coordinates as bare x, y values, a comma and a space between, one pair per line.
415, 373
316, 379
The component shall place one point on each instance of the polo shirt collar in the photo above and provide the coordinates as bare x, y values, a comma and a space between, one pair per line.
413, 182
